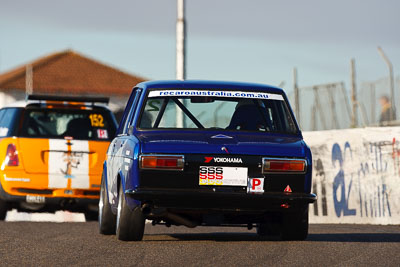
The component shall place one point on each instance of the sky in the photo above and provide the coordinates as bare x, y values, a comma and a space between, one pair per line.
256, 40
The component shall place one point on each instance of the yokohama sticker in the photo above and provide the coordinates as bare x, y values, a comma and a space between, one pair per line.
216, 175
223, 160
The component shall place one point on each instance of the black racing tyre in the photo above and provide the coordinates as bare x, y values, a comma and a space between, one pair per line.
107, 220
262, 229
3, 209
130, 223
295, 225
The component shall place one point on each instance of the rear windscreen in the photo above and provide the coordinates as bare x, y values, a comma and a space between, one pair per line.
229, 110
60, 123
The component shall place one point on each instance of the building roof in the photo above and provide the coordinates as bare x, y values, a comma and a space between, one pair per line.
69, 72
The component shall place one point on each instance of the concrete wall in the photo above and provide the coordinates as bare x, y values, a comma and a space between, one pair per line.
356, 175
59, 216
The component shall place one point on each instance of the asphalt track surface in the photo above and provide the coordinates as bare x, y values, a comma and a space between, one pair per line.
71, 244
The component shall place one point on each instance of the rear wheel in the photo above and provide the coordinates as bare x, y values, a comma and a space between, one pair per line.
130, 223
3, 209
262, 229
295, 225
107, 220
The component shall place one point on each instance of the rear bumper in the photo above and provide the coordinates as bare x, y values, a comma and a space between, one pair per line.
55, 203
37, 185
223, 201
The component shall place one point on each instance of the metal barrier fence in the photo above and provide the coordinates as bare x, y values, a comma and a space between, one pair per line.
329, 106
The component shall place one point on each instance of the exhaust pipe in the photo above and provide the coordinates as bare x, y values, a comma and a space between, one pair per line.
148, 210
181, 220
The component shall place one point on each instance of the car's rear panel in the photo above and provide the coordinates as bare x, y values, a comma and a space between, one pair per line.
55, 167
61, 167
189, 177
185, 189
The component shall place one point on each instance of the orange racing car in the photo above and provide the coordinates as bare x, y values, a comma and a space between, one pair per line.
52, 151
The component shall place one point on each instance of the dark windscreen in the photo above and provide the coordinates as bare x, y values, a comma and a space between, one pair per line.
79, 124
9, 120
245, 111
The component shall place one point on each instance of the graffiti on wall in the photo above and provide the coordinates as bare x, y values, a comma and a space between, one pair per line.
355, 178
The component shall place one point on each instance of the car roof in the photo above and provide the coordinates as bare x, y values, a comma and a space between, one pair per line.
204, 84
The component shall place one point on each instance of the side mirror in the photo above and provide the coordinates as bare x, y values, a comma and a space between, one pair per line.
130, 130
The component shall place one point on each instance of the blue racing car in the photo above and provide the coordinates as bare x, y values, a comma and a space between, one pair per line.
205, 153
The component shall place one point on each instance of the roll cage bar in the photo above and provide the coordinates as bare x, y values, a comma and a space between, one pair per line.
190, 115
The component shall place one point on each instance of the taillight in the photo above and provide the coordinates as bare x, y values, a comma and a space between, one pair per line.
12, 155
284, 165
161, 162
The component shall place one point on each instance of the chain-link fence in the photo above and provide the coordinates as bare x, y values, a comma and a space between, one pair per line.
329, 106
370, 94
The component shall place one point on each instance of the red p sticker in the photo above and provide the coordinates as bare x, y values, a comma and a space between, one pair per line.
255, 185
255, 182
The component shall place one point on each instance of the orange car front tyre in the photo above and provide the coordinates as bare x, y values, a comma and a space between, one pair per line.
3, 209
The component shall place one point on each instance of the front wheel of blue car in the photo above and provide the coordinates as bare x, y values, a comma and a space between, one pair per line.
130, 223
107, 220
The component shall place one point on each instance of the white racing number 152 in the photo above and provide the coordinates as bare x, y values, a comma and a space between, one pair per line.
210, 175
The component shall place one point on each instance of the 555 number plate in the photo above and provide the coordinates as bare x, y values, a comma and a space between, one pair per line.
217, 175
